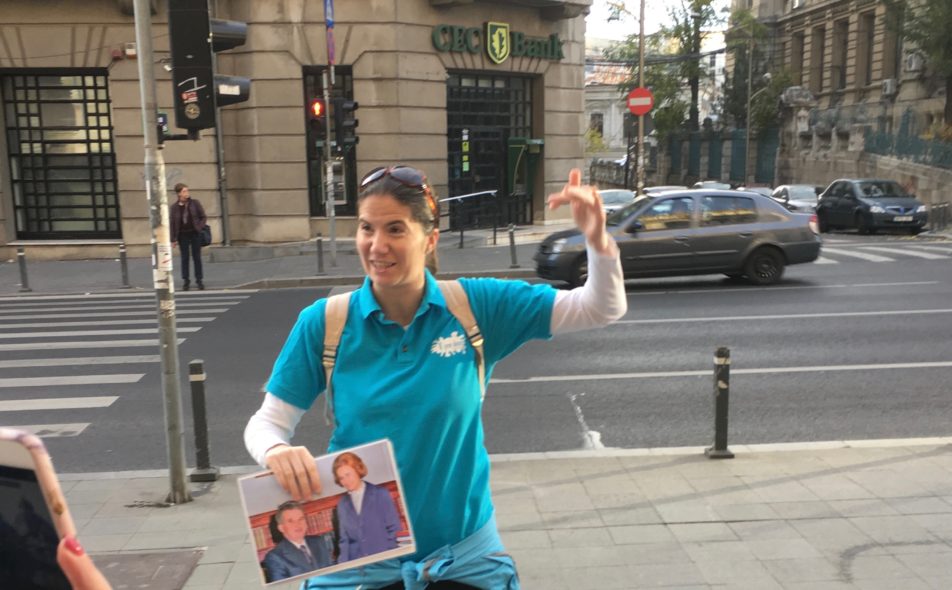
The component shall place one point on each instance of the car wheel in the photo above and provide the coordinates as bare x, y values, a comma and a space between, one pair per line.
579, 272
764, 266
862, 224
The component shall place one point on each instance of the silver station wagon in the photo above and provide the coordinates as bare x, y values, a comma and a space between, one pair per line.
693, 232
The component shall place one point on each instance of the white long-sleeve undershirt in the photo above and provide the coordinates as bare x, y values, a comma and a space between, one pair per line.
600, 301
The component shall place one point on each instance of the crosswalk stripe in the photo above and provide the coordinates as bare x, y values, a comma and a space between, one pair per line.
57, 403
863, 255
944, 250
69, 345
110, 314
152, 322
220, 299
236, 293
146, 307
53, 430
71, 380
68, 333
822, 260
80, 361
907, 252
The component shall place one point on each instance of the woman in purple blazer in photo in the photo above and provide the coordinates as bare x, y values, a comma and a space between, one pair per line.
367, 517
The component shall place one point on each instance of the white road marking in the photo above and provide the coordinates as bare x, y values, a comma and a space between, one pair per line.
80, 361
863, 255
822, 260
945, 250
109, 314
709, 372
907, 252
787, 316
236, 293
152, 322
800, 288
68, 333
54, 430
71, 380
592, 439
69, 345
57, 403
206, 300
146, 307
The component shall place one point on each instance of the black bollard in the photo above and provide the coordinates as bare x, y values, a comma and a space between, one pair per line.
512, 246
124, 267
24, 281
203, 470
722, 385
320, 255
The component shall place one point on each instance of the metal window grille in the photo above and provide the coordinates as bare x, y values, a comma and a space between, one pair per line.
62, 160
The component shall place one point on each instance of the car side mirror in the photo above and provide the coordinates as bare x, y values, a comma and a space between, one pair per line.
634, 227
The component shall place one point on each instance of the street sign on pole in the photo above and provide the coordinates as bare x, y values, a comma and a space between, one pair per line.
640, 101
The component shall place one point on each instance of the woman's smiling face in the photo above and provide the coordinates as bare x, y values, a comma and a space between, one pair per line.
391, 242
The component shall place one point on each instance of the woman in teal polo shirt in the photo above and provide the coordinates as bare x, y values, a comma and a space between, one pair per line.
405, 372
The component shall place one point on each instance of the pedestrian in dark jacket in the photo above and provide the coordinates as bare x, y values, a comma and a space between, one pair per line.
186, 221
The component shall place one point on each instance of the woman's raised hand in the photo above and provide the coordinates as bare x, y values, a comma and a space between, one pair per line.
587, 210
295, 469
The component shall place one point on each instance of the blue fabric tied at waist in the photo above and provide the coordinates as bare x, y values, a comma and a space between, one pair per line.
478, 560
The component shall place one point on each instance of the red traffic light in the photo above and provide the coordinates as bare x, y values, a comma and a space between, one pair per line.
316, 109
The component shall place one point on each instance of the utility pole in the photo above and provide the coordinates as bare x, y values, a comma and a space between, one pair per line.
220, 152
640, 183
694, 80
161, 257
750, 83
330, 198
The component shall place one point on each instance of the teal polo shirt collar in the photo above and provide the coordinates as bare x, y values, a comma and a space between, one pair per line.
367, 303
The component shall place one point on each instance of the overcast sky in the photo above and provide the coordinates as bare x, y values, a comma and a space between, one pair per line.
656, 14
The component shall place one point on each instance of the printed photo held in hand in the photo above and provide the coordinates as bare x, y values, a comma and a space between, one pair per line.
359, 518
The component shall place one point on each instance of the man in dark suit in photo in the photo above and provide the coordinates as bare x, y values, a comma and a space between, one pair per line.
298, 553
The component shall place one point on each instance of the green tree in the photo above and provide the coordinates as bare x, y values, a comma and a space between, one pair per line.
746, 41
926, 24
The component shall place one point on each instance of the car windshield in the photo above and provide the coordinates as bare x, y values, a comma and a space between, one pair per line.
617, 197
802, 192
880, 189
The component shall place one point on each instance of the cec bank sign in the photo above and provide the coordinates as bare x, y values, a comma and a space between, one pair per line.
497, 41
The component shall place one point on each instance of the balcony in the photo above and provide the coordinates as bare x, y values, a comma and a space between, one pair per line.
548, 9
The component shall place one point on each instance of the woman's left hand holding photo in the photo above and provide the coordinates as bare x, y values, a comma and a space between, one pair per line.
295, 470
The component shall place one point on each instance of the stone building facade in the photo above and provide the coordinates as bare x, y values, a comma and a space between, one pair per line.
432, 94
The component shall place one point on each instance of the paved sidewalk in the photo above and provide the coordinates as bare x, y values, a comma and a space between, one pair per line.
864, 515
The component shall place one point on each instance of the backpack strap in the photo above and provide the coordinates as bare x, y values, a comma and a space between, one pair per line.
335, 316
458, 304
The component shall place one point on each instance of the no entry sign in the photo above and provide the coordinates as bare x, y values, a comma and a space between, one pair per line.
640, 101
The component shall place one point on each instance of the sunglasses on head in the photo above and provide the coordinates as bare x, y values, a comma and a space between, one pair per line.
405, 175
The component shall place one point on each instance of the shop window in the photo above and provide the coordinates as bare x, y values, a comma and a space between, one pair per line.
59, 139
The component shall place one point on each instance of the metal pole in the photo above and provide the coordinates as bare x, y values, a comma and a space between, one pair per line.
320, 254
722, 383
124, 267
203, 470
220, 153
24, 280
329, 197
161, 257
512, 246
750, 76
459, 221
640, 183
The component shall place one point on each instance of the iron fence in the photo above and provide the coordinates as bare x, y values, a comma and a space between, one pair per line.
929, 152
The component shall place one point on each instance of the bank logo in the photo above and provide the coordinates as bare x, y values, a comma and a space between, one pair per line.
497, 41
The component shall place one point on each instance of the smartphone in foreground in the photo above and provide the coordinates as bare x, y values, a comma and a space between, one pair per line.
33, 515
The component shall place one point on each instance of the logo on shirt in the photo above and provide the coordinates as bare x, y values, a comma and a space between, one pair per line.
447, 346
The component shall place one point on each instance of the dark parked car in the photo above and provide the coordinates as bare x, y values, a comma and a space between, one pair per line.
869, 205
693, 232
798, 197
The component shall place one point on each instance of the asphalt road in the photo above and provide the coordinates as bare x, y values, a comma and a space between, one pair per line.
838, 350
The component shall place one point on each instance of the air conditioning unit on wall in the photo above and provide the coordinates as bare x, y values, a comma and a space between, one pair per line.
914, 62
890, 87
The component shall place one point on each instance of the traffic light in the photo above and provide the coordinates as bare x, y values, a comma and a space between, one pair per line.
317, 119
196, 88
345, 124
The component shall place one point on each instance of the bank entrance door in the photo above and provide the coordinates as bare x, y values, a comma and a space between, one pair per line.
483, 112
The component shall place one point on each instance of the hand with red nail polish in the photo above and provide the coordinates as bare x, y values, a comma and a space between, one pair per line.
80, 570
